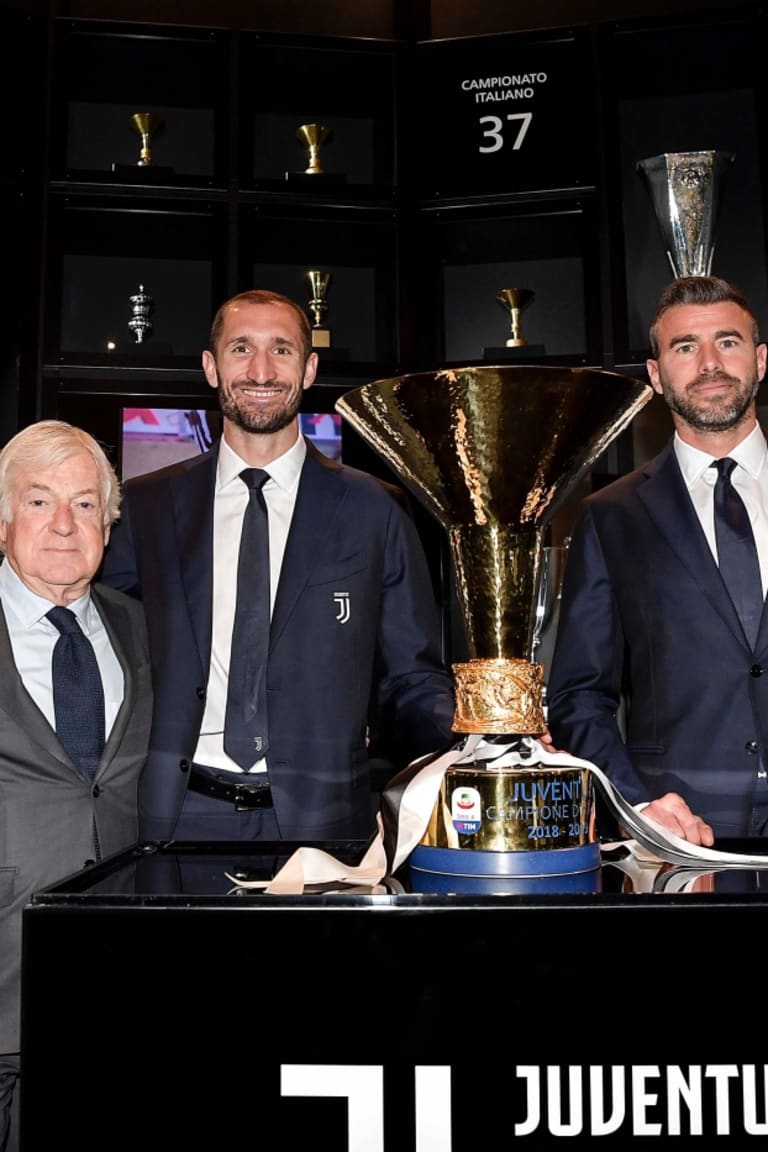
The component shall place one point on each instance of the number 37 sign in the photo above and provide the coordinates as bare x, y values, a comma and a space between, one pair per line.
509, 114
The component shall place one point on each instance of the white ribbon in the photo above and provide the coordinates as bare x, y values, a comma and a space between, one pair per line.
314, 866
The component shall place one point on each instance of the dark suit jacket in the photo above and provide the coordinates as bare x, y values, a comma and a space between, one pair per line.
52, 822
645, 615
347, 535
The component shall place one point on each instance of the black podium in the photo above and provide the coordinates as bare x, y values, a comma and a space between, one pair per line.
166, 1008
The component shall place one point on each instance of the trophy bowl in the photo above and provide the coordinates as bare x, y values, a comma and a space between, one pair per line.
685, 190
493, 452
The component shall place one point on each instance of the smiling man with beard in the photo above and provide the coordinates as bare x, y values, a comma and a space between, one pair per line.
654, 676
265, 747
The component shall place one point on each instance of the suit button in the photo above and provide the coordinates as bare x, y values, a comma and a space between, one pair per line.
751, 747
756, 670
184, 766
200, 693
95, 791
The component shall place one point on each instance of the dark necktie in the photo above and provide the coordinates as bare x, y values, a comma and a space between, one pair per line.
78, 695
245, 724
736, 551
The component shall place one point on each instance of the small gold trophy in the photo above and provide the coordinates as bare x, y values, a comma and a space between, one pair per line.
318, 282
145, 125
313, 136
515, 300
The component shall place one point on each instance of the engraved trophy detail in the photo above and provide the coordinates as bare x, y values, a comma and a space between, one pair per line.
140, 323
685, 189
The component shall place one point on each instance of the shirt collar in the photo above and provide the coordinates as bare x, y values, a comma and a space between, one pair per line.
750, 454
284, 471
27, 606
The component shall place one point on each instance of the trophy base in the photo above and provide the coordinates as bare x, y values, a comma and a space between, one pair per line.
321, 337
505, 352
318, 180
143, 173
449, 870
148, 347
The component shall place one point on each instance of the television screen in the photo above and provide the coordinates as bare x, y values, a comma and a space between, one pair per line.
154, 437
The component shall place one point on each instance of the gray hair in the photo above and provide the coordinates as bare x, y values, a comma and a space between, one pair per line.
51, 442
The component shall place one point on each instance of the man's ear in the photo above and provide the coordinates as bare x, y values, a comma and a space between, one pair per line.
310, 369
209, 367
652, 368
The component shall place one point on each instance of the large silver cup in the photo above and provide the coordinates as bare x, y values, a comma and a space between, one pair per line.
685, 188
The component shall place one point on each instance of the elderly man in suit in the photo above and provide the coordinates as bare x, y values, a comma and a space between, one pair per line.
75, 693
273, 745
650, 627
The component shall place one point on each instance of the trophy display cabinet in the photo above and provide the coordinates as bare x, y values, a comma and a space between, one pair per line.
426, 184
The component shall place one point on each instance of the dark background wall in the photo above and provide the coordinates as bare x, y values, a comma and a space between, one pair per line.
383, 19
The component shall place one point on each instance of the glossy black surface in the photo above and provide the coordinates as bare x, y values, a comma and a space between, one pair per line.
206, 873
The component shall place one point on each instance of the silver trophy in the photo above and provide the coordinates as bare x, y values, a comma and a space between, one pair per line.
685, 188
140, 323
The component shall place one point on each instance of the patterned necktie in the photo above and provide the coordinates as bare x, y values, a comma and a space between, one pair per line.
736, 551
78, 695
245, 725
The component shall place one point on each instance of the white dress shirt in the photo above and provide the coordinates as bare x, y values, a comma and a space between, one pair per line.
230, 501
33, 638
750, 478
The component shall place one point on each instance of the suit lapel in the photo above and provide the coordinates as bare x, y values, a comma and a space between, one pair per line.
16, 702
669, 505
118, 628
192, 495
318, 497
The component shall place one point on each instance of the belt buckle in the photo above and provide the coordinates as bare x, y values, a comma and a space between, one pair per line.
249, 799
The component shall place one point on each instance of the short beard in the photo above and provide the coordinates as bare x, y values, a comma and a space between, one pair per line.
263, 421
714, 417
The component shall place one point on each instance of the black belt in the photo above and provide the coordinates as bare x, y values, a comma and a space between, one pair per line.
244, 796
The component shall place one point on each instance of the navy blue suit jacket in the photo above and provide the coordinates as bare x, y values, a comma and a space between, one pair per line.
645, 618
348, 534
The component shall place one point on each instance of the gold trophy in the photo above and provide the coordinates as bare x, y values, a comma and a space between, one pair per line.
685, 189
317, 283
493, 453
145, 125
313, 136
515, 300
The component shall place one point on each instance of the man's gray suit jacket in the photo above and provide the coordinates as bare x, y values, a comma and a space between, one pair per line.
52, 821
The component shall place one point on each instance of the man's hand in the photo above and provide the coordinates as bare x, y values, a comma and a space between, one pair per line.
672, 813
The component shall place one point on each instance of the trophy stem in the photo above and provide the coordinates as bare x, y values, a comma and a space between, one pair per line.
145, 155
516, 339
497, 570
